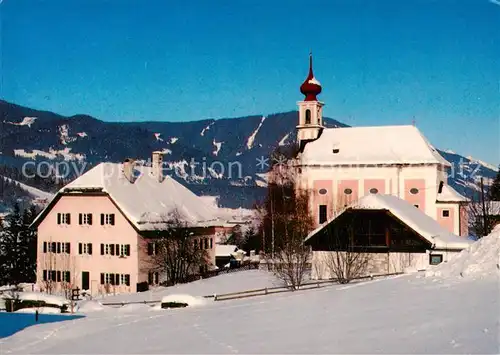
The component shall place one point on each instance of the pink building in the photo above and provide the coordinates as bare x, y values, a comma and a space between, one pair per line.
340, 165
94, 234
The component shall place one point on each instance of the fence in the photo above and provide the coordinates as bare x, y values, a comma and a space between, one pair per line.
264, 291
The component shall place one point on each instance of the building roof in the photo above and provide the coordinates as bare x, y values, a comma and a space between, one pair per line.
371, 145
222, 250
414, 218
145, 202
449, 194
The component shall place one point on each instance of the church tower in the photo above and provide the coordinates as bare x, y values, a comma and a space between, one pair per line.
310, 110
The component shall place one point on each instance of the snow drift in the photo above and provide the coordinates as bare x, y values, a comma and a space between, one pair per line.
90, 306
479, 260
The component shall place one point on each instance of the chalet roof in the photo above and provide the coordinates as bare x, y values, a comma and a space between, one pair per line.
145, 201
449, 194
414, 218
371, 145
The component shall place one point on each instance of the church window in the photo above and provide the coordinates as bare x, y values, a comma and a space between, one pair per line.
348, 191
374, 191
308, 116
446, 213
322, 214
414, 191
323, 191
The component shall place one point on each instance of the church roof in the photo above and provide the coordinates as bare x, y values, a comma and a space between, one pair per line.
421, 223
371, 145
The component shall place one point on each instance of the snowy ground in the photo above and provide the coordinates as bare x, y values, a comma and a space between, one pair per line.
452, 309
406, 314
225, 283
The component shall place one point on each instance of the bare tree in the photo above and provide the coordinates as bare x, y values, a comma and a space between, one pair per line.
286, 221
483, 211
346, 259
175, 250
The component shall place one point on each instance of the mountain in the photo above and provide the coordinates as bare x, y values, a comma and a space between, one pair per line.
225, 151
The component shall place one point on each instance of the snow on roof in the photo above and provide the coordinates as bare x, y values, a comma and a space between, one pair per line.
414, 218
224, 250
146, 201
449, 194
371, 145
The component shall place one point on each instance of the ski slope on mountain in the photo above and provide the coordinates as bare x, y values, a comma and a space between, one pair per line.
36, 193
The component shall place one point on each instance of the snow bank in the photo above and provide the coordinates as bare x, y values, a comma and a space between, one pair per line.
90, 306
134, 307
41, 310
481, 259
191, 301
49, 299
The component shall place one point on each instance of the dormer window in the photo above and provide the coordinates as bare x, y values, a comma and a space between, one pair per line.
308, 116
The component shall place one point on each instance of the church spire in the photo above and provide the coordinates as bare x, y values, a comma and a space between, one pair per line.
311, 87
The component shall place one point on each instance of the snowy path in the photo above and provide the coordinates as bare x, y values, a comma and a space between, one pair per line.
400, 315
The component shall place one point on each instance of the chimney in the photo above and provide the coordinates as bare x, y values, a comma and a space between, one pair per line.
157, 165
128, 169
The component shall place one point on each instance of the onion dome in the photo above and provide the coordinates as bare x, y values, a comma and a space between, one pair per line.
310, 87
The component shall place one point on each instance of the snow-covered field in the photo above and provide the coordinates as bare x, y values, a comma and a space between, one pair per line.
400, 315
446, 311
226, 283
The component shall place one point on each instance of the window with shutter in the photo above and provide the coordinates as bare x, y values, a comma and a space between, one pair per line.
44, 247
112, 249
102, 218
102, 249
68, 276
211, 243
58, 218
53, 249
53, 275
117, 249
117, 279
44, 275
58, 276
80, 248
89, 248
127, 280
68, 248
150, 278
112, 219
89, 218
80, 218
58, 247
68, 218
127, 250
206, 243
102, 277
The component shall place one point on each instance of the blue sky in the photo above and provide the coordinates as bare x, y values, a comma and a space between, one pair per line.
380, 62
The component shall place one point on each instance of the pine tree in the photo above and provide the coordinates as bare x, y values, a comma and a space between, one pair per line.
495, 188
18, 247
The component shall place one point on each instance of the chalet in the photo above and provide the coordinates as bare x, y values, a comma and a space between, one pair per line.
393, 233
96, 232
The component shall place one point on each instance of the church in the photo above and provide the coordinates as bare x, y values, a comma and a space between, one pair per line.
390, 178
341, 165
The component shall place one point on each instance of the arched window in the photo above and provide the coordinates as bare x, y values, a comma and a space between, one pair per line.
308, 116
